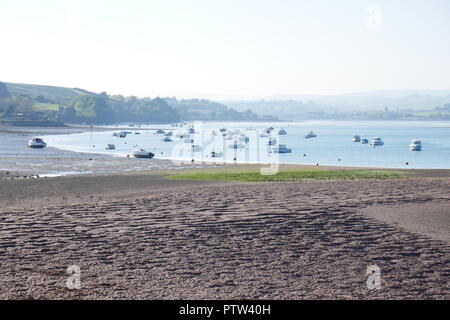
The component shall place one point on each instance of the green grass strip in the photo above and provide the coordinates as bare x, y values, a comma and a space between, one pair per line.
298, 175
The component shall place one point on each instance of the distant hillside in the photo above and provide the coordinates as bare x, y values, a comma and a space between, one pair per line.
59, 94
375, 100
201, 109
284, 109
29, 102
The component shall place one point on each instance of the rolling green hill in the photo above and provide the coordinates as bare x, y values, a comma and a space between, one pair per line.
74, 105
51, 92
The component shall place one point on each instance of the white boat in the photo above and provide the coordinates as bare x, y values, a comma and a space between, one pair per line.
356, 138
243, 138
281, 149
168, 134
310, 135
416, 145
167, 139
216, 154
110, 146
196, 148
282, 132
236, 145
364, 141
122, 134
160, 131
36, 143
191, 130
141, 153
376, 142
223, 130
272, 141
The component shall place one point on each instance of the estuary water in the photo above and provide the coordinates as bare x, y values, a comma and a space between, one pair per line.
332, 146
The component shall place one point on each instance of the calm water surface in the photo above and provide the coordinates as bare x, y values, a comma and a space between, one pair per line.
333, 145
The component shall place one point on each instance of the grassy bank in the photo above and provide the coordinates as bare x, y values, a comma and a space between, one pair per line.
295, 175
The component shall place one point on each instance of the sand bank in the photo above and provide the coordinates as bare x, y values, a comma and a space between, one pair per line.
145, 237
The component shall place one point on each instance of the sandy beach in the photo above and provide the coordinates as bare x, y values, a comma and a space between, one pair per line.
143, 236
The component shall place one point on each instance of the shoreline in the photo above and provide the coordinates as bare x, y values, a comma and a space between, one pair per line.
31, 131
85, 187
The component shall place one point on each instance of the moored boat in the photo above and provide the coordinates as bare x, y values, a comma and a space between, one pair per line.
376, 142
281, 149
141, 153
243, 138
236, 145
36, 143
216, 154
310, 135
416, 145
196, 148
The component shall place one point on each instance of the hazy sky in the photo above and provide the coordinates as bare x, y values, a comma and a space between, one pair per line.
227, 48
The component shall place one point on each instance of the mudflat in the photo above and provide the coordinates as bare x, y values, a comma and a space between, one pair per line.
142, 236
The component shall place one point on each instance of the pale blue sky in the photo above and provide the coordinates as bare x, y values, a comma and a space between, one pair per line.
227, 48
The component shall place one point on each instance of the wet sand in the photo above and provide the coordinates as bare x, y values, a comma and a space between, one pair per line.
141, 236
21, 161
431, 219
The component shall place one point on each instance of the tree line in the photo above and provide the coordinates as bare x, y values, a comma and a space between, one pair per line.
106, 109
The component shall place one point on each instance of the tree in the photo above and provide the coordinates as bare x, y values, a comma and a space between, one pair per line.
69, 114
4, 93
155, 110
94, 109
23, 103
